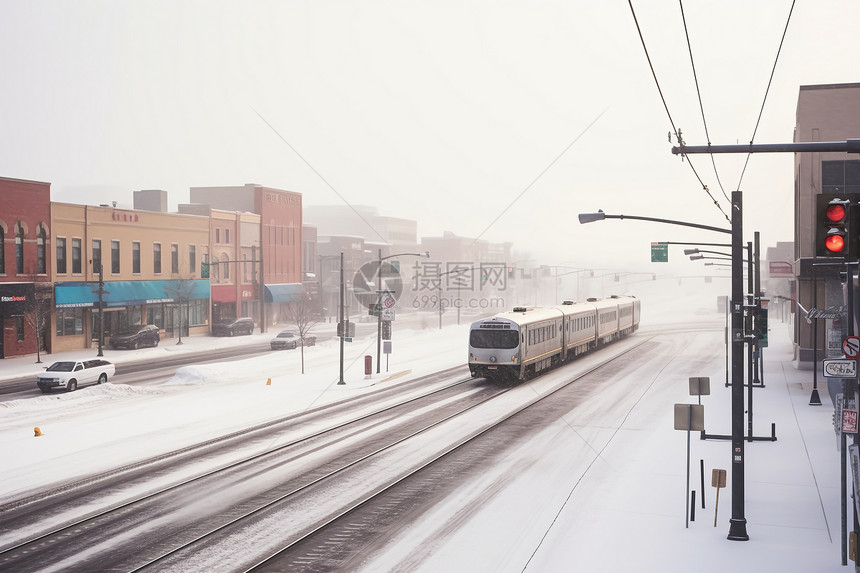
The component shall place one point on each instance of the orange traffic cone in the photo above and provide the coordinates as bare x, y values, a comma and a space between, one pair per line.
269, 382
38, 432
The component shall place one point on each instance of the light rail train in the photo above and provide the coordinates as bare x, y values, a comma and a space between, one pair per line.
526, 341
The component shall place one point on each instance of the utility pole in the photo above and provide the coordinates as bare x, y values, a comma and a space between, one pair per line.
101, 293
343, 325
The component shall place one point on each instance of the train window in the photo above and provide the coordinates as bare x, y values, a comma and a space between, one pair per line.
494, 339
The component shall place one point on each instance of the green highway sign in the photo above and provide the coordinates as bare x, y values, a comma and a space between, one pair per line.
659, 252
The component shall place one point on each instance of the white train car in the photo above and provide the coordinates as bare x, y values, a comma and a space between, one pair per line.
526, 341
579, 328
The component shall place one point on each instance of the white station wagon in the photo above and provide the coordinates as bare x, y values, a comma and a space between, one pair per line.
70, 375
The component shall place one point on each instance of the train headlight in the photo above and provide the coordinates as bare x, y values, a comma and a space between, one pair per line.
514, 358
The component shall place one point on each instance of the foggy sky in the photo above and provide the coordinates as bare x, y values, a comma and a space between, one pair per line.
450, 113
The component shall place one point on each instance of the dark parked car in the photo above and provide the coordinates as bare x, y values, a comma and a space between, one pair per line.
238, 326
140, 335
288, 339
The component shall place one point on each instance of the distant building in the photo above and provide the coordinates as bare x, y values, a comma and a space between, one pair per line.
280, 234
392, 234
151, 200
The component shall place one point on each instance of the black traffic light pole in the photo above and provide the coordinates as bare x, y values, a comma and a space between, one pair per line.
737, 528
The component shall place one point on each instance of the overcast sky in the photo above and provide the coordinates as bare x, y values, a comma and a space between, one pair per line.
446, 112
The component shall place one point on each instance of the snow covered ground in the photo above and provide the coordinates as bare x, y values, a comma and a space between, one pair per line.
626, 513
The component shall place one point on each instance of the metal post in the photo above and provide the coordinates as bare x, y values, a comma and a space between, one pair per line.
101, 309
343, 332
379, 311
738, 523
751, 365
850, 385
439, 300
814, 399
262, 295
757, 267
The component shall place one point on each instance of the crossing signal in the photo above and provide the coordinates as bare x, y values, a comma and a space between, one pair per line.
833, 232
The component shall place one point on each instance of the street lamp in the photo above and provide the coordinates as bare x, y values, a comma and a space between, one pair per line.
737, 524
379, 293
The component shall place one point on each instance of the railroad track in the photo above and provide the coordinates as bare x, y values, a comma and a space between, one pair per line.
257, 491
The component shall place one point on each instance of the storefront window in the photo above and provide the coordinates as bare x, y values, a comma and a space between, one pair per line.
155, 315
198, 311
70, 321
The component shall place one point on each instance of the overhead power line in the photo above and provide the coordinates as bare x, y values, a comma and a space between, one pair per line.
767, 90
675, 130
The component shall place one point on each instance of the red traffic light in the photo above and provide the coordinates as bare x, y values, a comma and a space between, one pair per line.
835, 236
835, 213
834, 242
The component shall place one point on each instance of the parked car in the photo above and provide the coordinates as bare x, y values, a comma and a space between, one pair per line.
289, 339
71, 374
239, 326
140, 335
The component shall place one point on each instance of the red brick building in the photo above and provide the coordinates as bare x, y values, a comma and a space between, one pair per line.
25, 266
280, 238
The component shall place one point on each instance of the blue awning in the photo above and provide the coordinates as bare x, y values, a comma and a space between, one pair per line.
289, 292
125, 293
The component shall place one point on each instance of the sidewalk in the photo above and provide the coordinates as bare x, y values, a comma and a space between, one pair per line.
630, 512
27, 365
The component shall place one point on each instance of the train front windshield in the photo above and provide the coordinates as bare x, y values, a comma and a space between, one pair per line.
494, 339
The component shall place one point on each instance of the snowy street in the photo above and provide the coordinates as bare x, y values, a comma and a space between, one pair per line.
560, 492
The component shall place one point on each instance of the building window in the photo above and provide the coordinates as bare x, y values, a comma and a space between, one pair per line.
19, 323
70, 321
156, 258
41, 239
217, 235
226, 268
192, 258
76, 256
174, 258
19, 249
227, 236
97, 255
839, 177
61, 255
135, 257
2, 251
198, 312
114, 257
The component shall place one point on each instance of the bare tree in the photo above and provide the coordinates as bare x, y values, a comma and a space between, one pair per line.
37, 314
180, 290
303, 314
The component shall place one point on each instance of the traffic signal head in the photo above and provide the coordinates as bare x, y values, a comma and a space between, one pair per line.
833, 232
